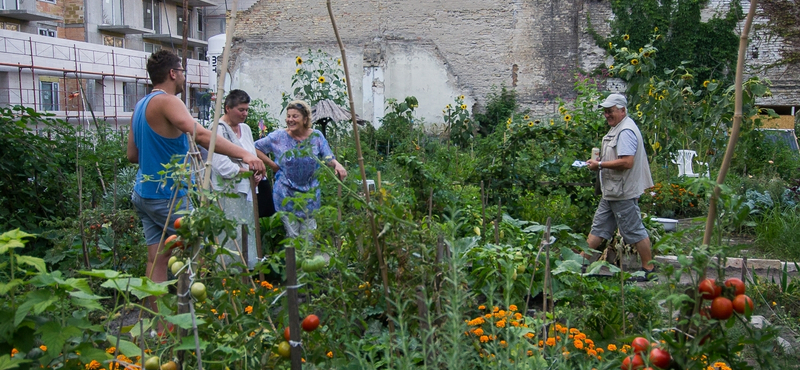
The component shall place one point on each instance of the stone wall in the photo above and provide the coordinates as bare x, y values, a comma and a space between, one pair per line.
434, 50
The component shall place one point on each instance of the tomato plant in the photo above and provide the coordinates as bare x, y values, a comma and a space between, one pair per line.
632, 362
310, 323
152, 363
739, 304
709, 289
178, 223
721, 308
173, 242
171, 365
736, 284
286, 334
284, 349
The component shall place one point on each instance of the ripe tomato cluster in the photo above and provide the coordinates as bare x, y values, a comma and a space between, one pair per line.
657, 357
310, 323
722, 307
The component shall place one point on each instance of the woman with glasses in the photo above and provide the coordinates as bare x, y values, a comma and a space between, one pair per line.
224, 172
298, 151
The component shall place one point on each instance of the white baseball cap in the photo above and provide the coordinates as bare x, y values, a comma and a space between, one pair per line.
618, 100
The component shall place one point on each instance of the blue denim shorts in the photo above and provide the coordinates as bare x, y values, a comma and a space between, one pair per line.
153, 213
622, 214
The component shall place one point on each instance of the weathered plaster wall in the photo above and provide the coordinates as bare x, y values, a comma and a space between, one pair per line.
434, 50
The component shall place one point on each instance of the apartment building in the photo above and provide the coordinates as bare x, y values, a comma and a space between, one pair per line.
78, 57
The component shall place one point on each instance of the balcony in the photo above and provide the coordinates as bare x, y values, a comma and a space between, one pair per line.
29, 15
194, 3
123, 29
176, 40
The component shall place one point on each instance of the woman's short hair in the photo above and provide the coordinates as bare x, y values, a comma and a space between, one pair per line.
236, 97
304, 109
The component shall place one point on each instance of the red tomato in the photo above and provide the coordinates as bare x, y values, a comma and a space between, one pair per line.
310, 323
640, 344
737, 284
739, 303
660, 358
286, 333
709, 289
721, 308
632, 362
173, 242
178, 223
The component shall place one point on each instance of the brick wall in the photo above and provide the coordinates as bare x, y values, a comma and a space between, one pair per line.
531, 45
73, 12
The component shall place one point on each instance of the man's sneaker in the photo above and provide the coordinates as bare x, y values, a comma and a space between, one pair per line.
649, 275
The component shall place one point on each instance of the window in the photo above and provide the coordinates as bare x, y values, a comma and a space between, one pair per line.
9, 26
179, 11
9, 5
152, 15
151, 48
48, 1
112, 12
114, 41
48, 95
200, 21
49, 32
132, 93
201, 53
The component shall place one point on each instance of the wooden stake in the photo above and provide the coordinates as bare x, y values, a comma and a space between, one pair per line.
737, 123
292, 306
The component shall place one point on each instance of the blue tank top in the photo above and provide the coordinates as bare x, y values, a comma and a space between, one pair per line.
154, 151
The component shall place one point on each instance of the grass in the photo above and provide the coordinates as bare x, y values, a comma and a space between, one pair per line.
778, 232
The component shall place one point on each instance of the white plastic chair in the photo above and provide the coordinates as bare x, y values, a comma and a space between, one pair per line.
684, 161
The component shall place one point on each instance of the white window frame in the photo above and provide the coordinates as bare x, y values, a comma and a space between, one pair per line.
4, 7
48, 1
154, 16
48, 32
114, 7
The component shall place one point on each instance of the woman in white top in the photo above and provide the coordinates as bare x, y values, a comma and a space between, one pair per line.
224, 171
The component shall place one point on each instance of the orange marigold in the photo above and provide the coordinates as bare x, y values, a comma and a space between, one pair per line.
551, 341
512, 307
484, 339
578, 344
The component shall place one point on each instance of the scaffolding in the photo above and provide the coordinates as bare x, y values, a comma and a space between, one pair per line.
72, 79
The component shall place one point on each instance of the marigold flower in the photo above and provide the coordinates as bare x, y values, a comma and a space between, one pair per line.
248, 309
612, 347
518, 316
503, 343
578, 344
94, 365
501, 324
513, 307
599, 350
44, 348
14, 351
484, 339
530, 353
514, 324
495, 308
111, 349
551, 341
266, 285
574, 331
529, 335
541, 343
591, 352
329, 354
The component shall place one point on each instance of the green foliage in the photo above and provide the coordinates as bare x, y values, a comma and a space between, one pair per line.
41, 170
672, 200
500, 105
259, 112
710, 47
782, 20
461, 129
777, 233
398, 129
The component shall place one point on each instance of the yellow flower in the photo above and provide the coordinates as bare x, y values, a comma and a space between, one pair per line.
297, 71
299, 60
634, 61
626, 37
552, 122
344, 79
706, 82
611, 67
329, 354
14, 351
567, 118
640, 50
248, 309
610, 46
655, 29
640, 114
526, 117
661, 97
447, 107
484, 339
610, 74
339, 61
463, 106
503, 343
638, 106
774, 303
321, 79
461, 97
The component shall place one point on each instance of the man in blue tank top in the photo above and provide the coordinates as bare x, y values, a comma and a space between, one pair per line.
161, 128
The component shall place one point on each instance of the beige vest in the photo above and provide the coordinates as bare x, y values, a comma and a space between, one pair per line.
624, 184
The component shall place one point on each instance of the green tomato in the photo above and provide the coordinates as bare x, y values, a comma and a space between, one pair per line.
176, 267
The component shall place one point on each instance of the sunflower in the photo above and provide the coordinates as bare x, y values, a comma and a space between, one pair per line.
567, 118
552, 122
321, 79
641, 49
640, 114
634, 61
530, 123
339, 61
344, 80
463, 106
647, 54
661, 97
638, 107
461, 97
611, 67
626, 37
299, 60
706, 82
447, 107
655, 29
537, 122
610, 74
297, 71
527, 117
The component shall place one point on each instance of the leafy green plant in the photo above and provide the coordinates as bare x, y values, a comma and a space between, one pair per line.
456, 117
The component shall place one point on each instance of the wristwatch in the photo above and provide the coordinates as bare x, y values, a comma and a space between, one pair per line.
599, 165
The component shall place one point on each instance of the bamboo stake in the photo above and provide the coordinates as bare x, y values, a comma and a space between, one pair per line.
370, 216
226, 53
737, 123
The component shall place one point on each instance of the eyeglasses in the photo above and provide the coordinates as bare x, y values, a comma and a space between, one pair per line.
178, 69
299, 107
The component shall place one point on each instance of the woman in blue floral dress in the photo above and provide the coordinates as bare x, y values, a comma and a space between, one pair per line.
296, 150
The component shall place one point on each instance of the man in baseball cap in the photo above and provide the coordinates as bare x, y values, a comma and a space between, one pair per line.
624, 174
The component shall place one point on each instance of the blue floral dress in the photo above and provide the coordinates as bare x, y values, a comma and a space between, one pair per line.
297, 167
